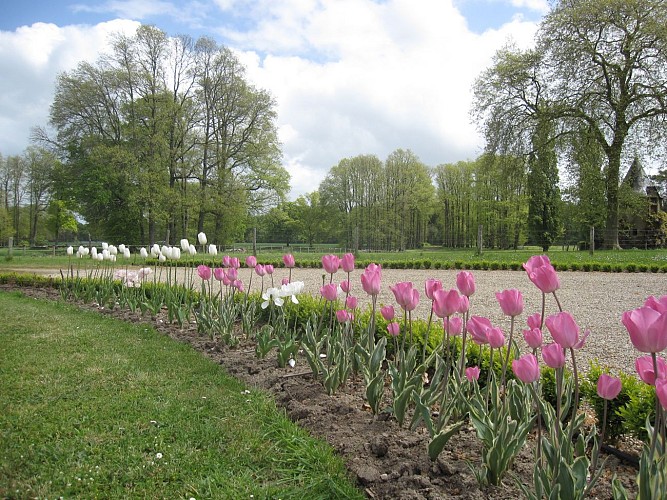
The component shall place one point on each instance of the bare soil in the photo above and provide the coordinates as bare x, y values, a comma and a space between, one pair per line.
386, 461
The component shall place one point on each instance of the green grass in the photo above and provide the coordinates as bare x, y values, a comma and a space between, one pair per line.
89, 402
601, 260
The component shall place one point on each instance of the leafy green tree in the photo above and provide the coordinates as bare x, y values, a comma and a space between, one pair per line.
543, 193
194, 144
600, 64
60, 219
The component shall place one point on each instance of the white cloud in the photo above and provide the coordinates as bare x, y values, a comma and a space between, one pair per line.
349, 77
388, 76
30, 59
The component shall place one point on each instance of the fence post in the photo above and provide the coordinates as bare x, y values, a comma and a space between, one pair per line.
479, 239
10, 246
254, 241
591, 243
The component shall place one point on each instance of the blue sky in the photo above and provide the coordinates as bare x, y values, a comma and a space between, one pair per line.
349, 76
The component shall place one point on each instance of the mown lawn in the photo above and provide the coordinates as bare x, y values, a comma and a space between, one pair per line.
459, 257
92, 407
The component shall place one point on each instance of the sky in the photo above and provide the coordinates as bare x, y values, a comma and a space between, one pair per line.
349, 77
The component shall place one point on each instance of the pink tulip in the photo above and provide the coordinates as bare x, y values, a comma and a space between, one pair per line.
465, 282
329, 292
226, 261
533, 338
251, 261
446, 303
646, 371
542, 273
477, 327
351, 302
371, 281
565, 331
526, 369
345, 286
268, 268
374, 268
288, 260
430, 286
454, 326
534, 321
511, 302
218, 273
661, 391
342, 315
464, 304
347, 262
647, 328
226, 281
495, 337
388, 312
659, 305
608, 387
394, 329
406, 296
330, 263
238, 284
260, 270
284, 281
553, 356
232, 273
204, 272
472, 373
235, 262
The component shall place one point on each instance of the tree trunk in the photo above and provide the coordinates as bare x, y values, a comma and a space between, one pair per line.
612, 180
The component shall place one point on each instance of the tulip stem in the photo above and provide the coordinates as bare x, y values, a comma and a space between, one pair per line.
507, 355
464, 334
560, 308
656, 423
371, 328
428, 330
604, 428
575, 402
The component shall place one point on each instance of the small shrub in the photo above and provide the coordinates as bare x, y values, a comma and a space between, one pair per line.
426, 264
437, 265
631, 267
575, 266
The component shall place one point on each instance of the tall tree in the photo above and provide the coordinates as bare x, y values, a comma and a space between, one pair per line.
600, 64
543, 192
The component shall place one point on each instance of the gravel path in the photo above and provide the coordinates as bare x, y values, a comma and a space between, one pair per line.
596, 300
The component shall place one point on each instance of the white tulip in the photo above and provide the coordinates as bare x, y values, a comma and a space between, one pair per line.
202, 238
212, 249
175, 253
155, 250
126, 253
185, 244
93, 253
70, 250
113, 250
143, 253
105, 246
162, 258
121, 248
192, 250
